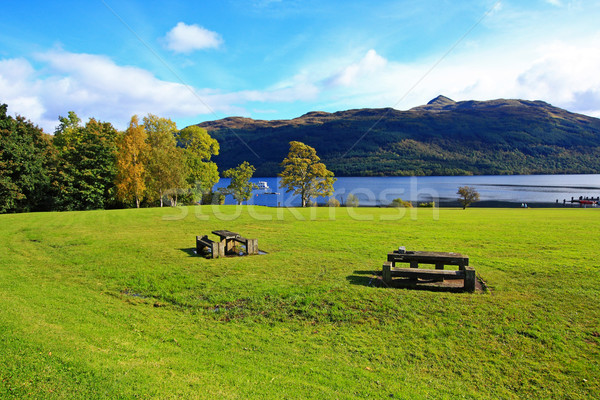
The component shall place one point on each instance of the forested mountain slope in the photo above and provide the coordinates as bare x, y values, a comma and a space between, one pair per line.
443, 137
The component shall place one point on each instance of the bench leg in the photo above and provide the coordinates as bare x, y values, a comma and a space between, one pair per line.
229, 244
251, 246
414, 264
439, 265
221, 249
469, 279
386, 273
214, 249
198, 246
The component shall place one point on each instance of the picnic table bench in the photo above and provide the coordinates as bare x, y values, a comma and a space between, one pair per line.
439, 259
216, 248
228, 240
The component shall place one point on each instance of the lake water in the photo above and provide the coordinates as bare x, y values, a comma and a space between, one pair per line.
507, 189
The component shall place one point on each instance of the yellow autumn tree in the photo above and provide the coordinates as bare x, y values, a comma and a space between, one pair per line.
131, 158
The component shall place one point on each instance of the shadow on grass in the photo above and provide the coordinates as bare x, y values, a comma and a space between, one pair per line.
191, 251
373, 279
364, 278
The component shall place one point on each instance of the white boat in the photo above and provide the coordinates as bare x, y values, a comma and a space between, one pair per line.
262, 185
264, 188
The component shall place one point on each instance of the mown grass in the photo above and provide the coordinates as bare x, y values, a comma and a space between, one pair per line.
113, 304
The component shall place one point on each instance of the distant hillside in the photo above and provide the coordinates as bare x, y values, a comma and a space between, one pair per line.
443, 137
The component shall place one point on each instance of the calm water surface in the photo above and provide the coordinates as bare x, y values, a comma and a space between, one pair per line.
371, 191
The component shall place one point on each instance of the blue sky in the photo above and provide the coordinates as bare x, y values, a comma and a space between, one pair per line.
193, 61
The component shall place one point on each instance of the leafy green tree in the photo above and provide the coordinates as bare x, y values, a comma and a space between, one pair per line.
197, 140
304, 174
467, 196
165, 175
86, 167
131, 160
240, 186
26, 159
199, 147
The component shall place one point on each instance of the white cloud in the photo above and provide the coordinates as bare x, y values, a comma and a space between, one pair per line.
369, 64
188, 38
568, 73
561, 73
94, 86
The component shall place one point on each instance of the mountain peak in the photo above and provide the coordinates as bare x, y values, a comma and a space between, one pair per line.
440, 103
441, 100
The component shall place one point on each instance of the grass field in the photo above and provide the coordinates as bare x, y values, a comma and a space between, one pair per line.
113, 304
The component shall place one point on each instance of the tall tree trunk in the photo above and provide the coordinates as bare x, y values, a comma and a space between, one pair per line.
137, 201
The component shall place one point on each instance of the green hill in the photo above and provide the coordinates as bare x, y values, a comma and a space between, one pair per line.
443, 137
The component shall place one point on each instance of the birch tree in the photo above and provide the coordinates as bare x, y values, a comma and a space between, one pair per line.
131, 158
165, 172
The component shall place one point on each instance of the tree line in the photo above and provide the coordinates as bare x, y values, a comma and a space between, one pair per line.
95, 166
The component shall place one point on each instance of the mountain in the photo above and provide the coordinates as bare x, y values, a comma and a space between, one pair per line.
443, 137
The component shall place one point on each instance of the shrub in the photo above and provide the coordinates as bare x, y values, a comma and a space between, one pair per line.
401, 203
213, 198
333, 202
431, 204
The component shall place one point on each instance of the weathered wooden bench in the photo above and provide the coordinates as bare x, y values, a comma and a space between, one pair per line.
439, 259
216, 248
251, 244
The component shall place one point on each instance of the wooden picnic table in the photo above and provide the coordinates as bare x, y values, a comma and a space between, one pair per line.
227, 239
439, 259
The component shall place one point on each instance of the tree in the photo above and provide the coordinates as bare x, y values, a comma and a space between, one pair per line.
240, 186
198, 142
131, 158
26, 160
86, 167
199, 147
165, 170
303, 174
467, 196
352, 201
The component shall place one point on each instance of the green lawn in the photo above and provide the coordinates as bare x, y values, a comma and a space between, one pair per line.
113, 304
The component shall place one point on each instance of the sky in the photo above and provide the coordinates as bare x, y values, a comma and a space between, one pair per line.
195, 61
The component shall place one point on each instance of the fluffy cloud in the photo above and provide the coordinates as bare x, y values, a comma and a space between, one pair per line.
94, 86
188, 38
564, 74
561, 73
567, 73
351, 74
